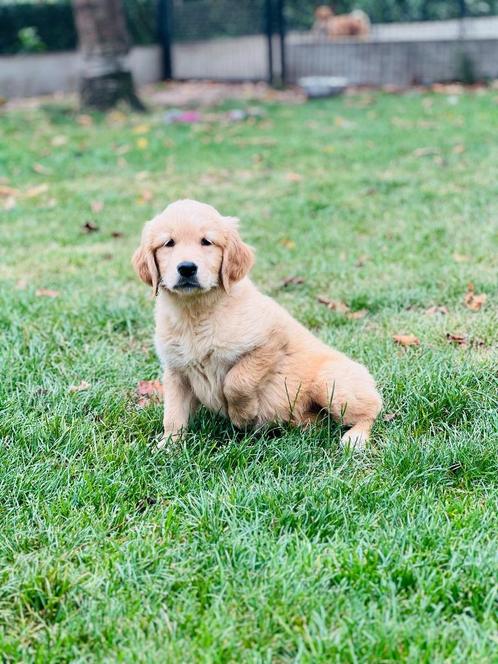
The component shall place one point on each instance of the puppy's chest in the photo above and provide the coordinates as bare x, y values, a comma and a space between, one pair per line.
203, 354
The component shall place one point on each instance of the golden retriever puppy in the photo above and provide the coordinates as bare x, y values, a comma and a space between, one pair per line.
227, 346
327, 24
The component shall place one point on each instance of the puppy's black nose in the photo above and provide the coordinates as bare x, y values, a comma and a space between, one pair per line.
187, 269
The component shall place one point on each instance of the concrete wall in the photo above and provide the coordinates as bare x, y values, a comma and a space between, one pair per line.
31, 75
241, 58
238, 58
396, 63
373, 62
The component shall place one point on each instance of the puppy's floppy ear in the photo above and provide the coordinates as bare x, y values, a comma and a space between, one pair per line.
238, 257
145, 266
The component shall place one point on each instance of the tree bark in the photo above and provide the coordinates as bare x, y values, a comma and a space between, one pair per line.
104, 44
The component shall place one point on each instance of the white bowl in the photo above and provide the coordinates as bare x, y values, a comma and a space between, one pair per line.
323, 86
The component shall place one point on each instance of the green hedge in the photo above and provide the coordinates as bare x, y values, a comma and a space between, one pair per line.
52, 25
29, 27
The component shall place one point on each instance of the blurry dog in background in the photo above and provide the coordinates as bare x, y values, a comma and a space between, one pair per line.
327, 24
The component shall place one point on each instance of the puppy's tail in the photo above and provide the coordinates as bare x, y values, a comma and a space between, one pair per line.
361, 15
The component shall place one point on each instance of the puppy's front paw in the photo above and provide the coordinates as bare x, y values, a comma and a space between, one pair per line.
243, 415
169, 440
355, 440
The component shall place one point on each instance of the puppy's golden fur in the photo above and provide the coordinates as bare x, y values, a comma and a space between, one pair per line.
327, 24
227, 346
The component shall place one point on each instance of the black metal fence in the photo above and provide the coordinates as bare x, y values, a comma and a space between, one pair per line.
406, 41
409, 41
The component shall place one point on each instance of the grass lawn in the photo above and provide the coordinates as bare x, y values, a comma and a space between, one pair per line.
274, 547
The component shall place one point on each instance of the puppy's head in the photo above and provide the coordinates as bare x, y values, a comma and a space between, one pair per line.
323, 13
190, 249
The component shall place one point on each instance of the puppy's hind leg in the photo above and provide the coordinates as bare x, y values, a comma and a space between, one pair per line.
347, 390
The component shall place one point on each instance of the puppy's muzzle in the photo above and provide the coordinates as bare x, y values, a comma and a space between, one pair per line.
187, 276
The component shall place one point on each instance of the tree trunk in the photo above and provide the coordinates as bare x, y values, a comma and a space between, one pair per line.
104, 44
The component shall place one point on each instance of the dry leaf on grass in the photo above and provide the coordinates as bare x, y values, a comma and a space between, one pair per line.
458, 148
40, 169
388, 417
59, 140
96, 206
149, 391
473, 300
46, 292
293, 177
117, 234
38, 190
292, 281
457, 338
406, 339
288, 244
144, 197
79, 388
9, 203
89, 227
141, 129
461, 258
8, 191
84, 120
436, 309
333, 305
357, 315
425, 152
361, 260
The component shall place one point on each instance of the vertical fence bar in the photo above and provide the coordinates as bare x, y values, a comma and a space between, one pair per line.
269, 36
164, 25
281, 35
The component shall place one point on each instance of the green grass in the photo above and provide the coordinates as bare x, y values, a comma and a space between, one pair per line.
276, 547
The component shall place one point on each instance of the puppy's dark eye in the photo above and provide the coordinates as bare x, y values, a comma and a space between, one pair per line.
169, 243
205, 242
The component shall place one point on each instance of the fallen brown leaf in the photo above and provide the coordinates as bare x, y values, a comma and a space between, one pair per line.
457, 338
472, 300
333, 305
38, 190
9, 203
142, 143
461, 258
8, 191
117, 234
46, 292
40, 169
425, 152
96, 206
89, 227
79, 388
436, 309
357, 315
59, 140
292, 281
288, 244
141, 129
293, 177
361, 260
388, 417
145, 196
149, 391
84, 120
406, 339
